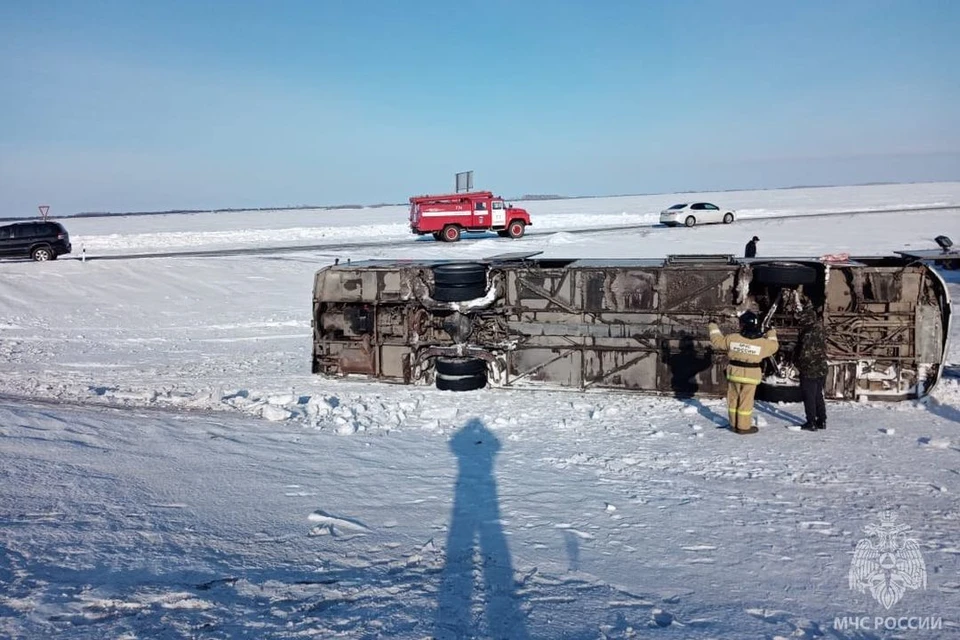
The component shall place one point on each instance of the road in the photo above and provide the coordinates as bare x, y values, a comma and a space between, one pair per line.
341, 247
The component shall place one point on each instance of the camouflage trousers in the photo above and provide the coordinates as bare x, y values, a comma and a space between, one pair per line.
740, 404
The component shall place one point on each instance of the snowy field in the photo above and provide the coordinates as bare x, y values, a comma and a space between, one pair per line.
171, 469
179, 232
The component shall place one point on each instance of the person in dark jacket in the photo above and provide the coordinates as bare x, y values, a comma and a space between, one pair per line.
751, 250
811, 362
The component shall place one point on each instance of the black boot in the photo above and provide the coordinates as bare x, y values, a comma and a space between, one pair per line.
809, 426
822, 425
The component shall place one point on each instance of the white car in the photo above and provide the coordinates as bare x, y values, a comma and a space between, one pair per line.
695, 213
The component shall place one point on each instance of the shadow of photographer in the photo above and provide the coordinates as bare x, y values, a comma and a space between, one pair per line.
477, 555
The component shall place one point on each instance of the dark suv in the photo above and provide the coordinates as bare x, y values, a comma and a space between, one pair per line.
35, 240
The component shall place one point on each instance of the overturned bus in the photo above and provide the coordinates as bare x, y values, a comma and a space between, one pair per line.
518, 320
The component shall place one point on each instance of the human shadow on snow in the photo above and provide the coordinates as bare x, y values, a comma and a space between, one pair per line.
477, 548
685, 365
942, 409
775, 411
707, 413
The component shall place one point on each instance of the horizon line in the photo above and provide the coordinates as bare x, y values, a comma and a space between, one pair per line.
528, 197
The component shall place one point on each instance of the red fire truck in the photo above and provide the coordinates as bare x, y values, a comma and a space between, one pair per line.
447, 216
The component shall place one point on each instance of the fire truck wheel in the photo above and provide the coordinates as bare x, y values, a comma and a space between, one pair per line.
784, 274
451, 233
458, 367
516, 229
461, 383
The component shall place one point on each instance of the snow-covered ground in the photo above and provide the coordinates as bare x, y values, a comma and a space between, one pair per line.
172, 469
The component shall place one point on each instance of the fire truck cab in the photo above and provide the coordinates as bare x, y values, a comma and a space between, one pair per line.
447, 216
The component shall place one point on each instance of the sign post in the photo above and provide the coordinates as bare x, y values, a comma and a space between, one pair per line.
464, 181
44, 209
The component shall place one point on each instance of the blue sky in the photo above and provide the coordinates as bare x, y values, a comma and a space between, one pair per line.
118, 105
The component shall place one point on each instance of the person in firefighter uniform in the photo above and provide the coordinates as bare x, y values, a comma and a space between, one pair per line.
745, 351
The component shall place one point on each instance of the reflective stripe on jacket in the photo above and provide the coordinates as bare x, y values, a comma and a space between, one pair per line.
745, 354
